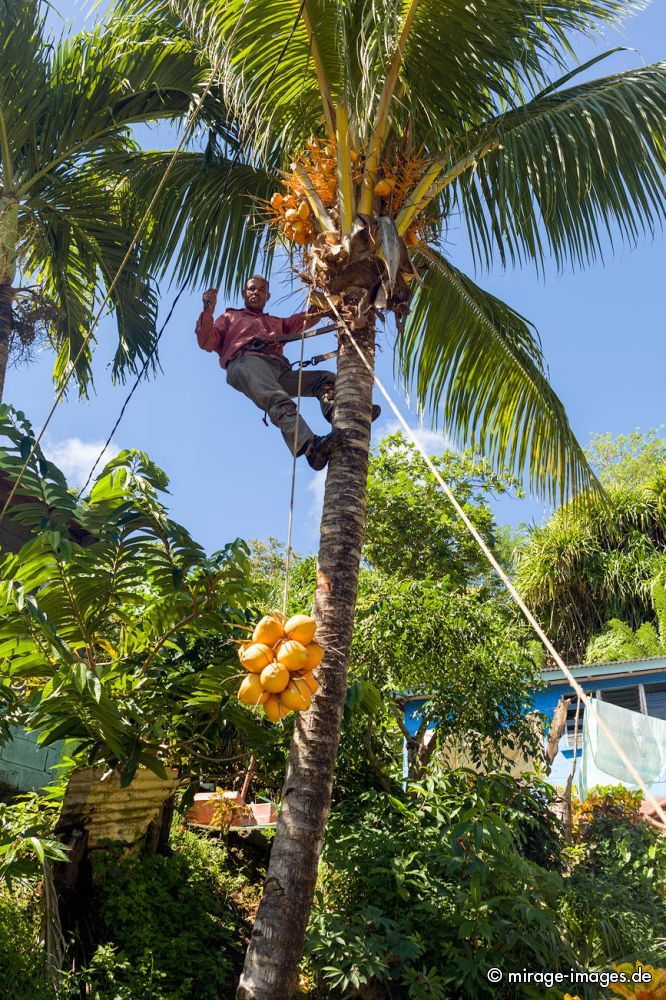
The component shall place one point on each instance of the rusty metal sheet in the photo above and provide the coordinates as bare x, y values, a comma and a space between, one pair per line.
111, 814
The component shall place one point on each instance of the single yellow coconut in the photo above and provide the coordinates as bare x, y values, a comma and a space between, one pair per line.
383, 188
277, 200
304, 210
311, 681
274, 678
291, 214
268, 630
291, 654
274, 709
251, 691
255, 656
315, 655
302, 628
296, 695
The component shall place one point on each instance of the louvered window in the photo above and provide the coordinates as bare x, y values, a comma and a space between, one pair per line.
655, 700
575, 732
623, 697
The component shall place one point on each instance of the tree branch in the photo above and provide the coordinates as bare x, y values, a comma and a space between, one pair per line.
373, 761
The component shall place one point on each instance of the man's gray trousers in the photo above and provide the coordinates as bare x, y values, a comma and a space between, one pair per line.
272, 385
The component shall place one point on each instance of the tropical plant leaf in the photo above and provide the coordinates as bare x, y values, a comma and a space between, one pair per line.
472, 356
571, 164
211, 217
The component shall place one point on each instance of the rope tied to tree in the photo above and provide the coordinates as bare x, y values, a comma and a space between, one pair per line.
532, 621
292, 490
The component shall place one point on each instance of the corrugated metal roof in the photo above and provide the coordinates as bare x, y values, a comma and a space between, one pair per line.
111, 814
608, 669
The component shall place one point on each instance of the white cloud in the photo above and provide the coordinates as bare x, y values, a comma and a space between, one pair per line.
315, 489
432, 442
76, 457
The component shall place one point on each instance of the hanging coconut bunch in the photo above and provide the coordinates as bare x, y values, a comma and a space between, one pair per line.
280, 659
317, 173
359, 214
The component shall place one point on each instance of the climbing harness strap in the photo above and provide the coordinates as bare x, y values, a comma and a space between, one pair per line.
317, 360
290, 338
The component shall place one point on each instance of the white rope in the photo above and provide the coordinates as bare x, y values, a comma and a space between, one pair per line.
589, 703
290, 526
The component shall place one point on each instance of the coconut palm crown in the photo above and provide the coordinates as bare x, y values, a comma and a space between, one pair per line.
392, 121
67, 212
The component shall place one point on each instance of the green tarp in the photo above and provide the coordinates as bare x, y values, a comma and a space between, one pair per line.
642, 738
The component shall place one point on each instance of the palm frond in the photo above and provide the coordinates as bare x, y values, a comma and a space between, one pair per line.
472, 355
268, 74
571, 164
210, 215
102, 82
485, 55
23, 66
78, 229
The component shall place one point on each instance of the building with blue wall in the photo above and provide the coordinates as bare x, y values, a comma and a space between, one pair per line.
637, 685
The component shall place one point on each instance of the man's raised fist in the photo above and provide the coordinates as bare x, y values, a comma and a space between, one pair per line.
210, 298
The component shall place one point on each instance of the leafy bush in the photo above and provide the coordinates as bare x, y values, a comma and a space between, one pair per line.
25, 837
614, 906
427, 894
105, 611
21, 962
618, 641
177, 925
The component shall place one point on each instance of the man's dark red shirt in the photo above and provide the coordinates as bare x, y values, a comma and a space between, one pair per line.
237, 328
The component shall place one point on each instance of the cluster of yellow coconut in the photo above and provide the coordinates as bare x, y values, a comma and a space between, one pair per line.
290, 207
294, 215
280, 659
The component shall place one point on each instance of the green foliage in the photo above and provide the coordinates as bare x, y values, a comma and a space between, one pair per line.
25, 838
614, 903
175, 922
174, 927
629, 460
478, 363
21, 961
428, 893
412, 531
594, 562
106, 611
466, 655
618, 641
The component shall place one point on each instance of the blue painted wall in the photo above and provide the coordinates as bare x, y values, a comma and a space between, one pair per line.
546, 700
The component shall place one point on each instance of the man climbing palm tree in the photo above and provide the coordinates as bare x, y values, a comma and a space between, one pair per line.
249, 343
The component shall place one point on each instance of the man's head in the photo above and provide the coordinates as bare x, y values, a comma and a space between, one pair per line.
256, 293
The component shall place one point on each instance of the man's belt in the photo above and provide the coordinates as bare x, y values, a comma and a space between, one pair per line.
256, 346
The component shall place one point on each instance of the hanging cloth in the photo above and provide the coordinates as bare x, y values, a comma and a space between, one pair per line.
642, 738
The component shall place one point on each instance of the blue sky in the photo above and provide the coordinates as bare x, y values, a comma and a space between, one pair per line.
603, 337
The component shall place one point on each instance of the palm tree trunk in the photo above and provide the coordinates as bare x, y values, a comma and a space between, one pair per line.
276, 947
8, 239
6, 298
